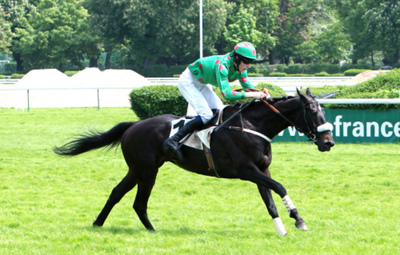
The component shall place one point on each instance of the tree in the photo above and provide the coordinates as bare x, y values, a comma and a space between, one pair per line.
292, 28
383, 22
242, 29
15, 12
54, 34
5, 32
108, 23
350, 14
332, 45
172, 37
265, 14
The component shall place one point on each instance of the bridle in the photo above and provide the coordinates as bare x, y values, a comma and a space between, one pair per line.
311, 136
310, 127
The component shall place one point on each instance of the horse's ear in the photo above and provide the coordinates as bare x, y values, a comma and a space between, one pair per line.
309, 92
301, 94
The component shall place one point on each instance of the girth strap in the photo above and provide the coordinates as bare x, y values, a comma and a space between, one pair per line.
251, 132
210, 160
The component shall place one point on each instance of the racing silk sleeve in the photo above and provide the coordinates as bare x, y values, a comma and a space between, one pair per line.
244, 81
219, 71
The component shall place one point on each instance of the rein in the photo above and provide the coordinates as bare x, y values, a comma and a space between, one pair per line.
309, 134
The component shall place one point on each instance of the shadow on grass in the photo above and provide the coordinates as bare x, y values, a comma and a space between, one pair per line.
116, 230
181, 231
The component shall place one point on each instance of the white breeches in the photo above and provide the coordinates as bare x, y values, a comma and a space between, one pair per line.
200, 96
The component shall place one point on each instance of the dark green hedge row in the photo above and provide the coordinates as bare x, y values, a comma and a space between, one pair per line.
151, 101
386, 85
310, 69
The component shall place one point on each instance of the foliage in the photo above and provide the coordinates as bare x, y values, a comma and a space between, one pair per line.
254, 75
15, 13
5, 32
242, 29
293, 69
386, 85
17, 76
172, 37
373, 25
151, 101
56, 31
278, 74
322, 74
292, 28
163, 99
383, 22
332, 45
71, 73
49, 202
353, 72
107, 23
136, 34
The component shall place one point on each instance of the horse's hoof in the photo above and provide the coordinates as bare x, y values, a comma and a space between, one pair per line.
301, 225
95, 224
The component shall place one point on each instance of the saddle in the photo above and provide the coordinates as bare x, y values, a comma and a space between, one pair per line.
200, 137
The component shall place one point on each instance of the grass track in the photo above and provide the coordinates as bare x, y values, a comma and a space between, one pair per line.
348, 197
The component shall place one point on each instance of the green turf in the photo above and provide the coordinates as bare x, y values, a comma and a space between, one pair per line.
348, 197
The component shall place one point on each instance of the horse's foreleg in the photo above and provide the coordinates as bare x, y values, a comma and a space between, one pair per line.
293, 213
127, 183
270, 204
141, 200
263, 180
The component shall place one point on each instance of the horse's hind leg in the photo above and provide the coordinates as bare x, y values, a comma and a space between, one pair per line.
141, 200
127, 183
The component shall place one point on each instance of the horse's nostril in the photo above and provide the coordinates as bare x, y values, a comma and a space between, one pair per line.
330, 143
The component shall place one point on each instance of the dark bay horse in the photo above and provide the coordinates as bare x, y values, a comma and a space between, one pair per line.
240, 147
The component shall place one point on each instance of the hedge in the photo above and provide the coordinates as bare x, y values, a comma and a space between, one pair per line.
354, 72
17, 76
152, 101
386, 85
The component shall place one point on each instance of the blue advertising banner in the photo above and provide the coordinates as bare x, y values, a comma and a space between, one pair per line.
355, 126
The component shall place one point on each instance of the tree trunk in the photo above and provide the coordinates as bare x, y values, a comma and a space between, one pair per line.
108, 60
372, 59
396, 57
20, 66
271, 58
93, 62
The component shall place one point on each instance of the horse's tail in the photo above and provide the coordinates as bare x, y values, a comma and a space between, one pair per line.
94, 140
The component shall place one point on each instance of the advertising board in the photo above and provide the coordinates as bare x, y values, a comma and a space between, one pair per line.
355, 126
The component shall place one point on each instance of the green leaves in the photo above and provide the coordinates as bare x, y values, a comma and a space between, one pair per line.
53, 30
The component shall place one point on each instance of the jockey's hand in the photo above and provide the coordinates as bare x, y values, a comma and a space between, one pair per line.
256, 95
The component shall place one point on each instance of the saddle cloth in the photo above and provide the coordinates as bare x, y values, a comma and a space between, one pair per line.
197, 138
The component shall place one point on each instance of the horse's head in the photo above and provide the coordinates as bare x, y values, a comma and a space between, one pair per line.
315, 125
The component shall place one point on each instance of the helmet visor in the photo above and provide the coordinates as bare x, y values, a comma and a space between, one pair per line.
247, 60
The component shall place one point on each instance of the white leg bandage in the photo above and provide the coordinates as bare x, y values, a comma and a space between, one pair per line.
288, 203
279, 226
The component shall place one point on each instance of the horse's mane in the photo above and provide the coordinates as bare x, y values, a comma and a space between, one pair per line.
271, 100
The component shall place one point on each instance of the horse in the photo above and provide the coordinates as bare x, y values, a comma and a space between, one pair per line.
240, 148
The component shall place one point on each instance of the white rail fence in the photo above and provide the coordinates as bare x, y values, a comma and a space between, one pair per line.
100, 96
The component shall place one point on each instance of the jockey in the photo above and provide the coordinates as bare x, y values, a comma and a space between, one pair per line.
218, 71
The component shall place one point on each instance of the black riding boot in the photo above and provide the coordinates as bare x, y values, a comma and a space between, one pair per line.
171, 145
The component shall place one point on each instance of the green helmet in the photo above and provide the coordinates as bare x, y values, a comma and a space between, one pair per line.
246, 50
